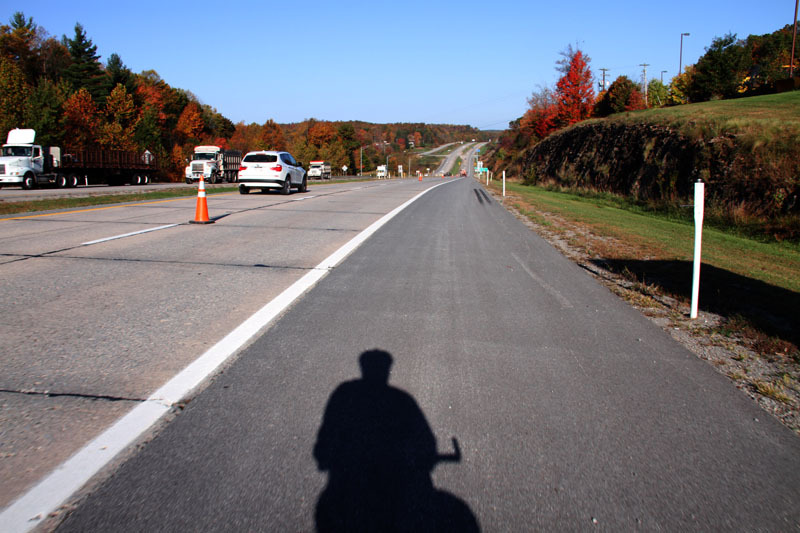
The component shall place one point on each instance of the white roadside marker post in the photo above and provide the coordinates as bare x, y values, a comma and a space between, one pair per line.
504, 184
699, 200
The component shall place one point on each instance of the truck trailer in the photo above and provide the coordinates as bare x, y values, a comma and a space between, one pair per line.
214, 164
30, 165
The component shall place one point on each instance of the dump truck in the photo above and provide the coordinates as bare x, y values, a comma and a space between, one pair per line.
214, 164
31, 165
319, 169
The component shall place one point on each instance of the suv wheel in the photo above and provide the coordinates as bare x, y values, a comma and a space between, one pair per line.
287, 185
243, 189
304, 185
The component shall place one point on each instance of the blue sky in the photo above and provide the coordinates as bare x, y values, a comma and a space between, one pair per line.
463, 62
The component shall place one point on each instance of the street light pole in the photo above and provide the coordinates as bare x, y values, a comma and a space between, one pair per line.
662, 76
680, 60
794, 38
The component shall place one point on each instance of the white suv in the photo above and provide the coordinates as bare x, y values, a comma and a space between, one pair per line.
268, 169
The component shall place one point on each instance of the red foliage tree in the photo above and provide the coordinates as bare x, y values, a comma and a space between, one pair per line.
542, 117
574, 91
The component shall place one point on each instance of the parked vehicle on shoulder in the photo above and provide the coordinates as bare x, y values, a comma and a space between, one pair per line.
271, 170
214, 164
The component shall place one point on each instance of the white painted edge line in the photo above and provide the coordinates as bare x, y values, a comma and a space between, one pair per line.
31, 508
129, 234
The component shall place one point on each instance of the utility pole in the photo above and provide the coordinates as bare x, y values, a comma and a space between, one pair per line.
603, 88
662, 76
644, 80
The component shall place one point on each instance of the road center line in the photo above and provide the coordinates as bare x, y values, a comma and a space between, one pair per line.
129, 234
30, 509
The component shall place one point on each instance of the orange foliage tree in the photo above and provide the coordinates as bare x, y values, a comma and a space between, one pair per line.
272, 137
81, 120
321, 133
190, 123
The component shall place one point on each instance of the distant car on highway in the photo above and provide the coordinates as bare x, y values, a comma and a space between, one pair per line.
270, 169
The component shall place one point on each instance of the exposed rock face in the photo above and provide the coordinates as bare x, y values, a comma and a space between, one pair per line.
655, 162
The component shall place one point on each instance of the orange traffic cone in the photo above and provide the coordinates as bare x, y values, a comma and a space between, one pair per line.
420, 176
201, 212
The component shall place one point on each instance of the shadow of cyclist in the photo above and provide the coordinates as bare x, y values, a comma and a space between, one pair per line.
379, 452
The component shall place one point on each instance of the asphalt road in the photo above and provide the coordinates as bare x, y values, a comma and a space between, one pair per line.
92, 327
569, 410
18, 194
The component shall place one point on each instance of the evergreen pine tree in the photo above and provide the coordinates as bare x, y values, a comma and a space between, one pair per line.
85, 72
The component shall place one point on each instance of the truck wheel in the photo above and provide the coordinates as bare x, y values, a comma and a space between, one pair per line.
61, 181
287, 186
29, 181
137, 180
243, 190
188, 181
145, 180
72, 181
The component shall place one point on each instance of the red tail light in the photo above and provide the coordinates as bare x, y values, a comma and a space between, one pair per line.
277, 168
242, 168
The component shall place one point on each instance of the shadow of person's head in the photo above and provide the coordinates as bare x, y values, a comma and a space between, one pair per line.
375, 366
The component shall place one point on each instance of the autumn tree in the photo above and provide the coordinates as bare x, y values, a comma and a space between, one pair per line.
574, 90
81, 120
85, 70
271, 137
19, 43
246, 136
541, 118
118, 131
190, 123
13, 91
678, 90
622, 95
321, 133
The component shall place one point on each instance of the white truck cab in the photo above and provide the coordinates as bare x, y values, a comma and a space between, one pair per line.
319, 169
206, 162
22, 161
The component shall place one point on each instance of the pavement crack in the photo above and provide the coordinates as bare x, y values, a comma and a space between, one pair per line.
51, 394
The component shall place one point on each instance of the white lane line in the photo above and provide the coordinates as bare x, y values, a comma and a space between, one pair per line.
34, 506
303, 198
129, 234
554, 293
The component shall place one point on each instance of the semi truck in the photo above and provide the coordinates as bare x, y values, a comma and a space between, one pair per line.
380, 173
31, 165
319, 169
214, 164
